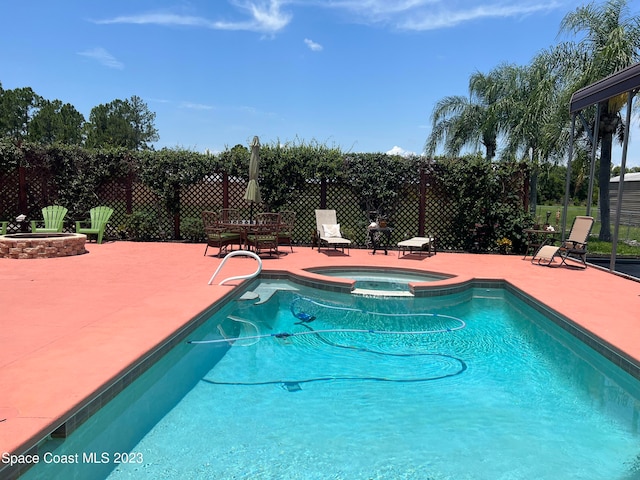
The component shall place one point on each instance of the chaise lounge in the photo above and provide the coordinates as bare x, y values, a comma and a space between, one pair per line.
417, 244
574, 248
328, 230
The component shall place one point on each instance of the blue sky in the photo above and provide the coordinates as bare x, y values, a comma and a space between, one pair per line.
363, 75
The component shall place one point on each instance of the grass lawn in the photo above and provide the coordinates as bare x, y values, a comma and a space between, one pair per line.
626, 235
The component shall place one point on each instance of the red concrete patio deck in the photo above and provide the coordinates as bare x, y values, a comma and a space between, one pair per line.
71, 326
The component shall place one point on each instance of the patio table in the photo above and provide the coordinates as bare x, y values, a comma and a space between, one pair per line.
380, 237
242, 227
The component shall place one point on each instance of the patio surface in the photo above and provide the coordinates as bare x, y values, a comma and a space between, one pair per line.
71, 326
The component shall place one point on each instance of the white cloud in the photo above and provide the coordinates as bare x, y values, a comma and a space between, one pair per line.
422, 15
316, 47
102, 56
195, 106
265, 17
400, 151
451, 18
377, 8
164, 19
270, 17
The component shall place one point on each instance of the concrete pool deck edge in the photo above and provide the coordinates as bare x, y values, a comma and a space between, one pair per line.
159, 289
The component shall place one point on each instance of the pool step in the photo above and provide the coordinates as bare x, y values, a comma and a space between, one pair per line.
265, 291
381, 293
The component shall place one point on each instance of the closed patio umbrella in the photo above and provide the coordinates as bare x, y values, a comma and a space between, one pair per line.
253, 189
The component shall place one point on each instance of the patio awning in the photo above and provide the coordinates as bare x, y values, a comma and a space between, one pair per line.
620, 82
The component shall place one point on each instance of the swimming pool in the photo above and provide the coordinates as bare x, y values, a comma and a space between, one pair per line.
387, 279
489, 389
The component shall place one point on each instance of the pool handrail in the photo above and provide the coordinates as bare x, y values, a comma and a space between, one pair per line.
245, 253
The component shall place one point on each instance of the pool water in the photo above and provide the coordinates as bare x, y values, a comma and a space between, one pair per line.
490, 389
387, 279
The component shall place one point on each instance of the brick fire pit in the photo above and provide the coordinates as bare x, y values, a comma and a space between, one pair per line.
41, 245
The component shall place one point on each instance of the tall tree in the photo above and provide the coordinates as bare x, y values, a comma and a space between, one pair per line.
122, 123
56, 122
610, 42
17, 108
142, 122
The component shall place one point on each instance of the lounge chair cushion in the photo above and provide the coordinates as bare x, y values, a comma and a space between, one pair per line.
416, 242
331, 231
547, 252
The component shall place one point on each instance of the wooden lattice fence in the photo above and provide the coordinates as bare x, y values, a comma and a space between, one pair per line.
440, 215
423, 207
25, 191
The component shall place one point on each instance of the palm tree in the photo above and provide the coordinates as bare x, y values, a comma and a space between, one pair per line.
534, 114
459, 121
531, 109
611, 42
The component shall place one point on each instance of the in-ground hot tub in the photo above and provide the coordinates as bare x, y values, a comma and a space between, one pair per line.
385, 279
41, 245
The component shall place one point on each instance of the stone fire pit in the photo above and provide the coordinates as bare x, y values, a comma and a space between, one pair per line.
41, 245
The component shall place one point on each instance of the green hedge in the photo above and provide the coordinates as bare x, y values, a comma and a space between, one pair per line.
167, 190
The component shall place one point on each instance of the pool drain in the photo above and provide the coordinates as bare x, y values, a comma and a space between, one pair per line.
291, 386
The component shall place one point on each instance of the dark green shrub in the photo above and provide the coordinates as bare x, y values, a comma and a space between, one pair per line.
141, 226
488, 201
192, 230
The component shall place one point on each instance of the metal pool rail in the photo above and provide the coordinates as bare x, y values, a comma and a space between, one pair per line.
245, 253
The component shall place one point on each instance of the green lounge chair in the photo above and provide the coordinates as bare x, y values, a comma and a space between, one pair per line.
99, 218
53, 219
3, 228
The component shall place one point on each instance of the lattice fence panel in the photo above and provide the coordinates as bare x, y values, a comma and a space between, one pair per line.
305, 205
404, 218
440, 217
41, 191
148, 219
114, 194
204, 195
140, 214
147, 203
237, 189
9, 190
210, 195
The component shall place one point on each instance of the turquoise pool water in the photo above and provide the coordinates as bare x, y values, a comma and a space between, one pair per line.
490, 389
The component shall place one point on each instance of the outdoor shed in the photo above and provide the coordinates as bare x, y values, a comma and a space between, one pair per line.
630, 207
